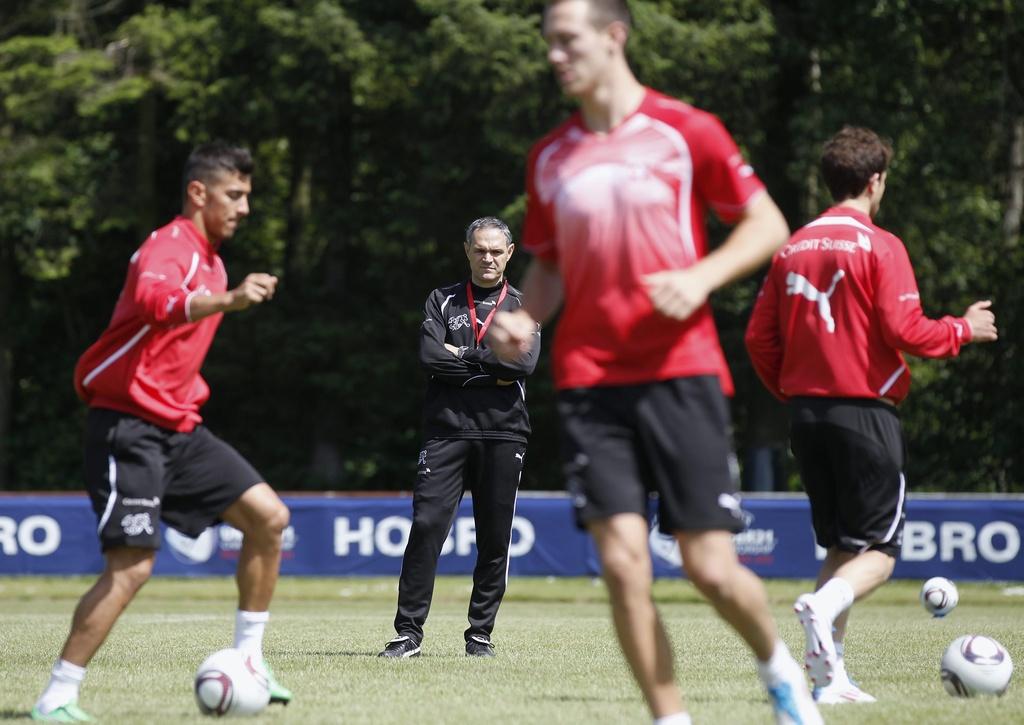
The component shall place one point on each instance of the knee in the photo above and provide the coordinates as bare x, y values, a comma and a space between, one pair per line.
627, 574
714, 582
266, 525
426, 518
279, 518
129, 572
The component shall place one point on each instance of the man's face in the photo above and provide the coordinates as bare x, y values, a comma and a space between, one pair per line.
225, 204
578, 51
488, 254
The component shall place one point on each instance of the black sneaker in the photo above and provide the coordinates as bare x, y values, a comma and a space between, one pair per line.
479, 646
401, 646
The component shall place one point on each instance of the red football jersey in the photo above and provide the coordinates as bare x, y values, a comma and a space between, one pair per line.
838, 305
611, 208
147, 361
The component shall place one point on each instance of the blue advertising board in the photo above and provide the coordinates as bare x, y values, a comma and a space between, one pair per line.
963, 538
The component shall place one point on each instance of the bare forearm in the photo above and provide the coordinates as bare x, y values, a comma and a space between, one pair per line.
542, 290
750, 244
255, 289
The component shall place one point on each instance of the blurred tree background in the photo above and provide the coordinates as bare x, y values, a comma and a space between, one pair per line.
382, 128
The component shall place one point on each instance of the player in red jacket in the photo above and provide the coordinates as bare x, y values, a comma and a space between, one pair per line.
148, 458
616, 201
838, 309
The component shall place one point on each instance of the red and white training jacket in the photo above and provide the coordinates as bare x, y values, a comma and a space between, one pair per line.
147, 361
838, 306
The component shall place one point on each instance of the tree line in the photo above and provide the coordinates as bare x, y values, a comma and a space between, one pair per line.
381, 129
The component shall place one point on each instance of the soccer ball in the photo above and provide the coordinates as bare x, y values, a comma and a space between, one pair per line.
939, 596
229, 683
975, 665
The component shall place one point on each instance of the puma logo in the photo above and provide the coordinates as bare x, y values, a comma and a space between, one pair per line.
797, 284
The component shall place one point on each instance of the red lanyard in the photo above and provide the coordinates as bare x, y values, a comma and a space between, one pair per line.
472, 310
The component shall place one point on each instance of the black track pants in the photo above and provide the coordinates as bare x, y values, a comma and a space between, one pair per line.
490, 469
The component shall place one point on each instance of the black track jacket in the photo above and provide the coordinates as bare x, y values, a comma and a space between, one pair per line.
464, 398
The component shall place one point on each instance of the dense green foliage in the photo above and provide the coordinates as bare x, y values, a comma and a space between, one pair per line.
382, 129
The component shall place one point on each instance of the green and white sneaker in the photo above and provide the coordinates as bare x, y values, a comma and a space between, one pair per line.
278, 692
65, 713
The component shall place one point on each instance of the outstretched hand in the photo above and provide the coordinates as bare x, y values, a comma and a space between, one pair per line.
982, 321
255, 288
511, 334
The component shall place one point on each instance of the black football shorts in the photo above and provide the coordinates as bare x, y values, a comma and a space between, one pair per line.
137, 474
851, 455
672, 437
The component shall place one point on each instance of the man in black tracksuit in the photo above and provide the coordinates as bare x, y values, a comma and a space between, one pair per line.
475, 426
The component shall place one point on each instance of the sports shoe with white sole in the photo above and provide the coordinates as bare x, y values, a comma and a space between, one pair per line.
401, 647
841, 692
792, 703
820, 657
478, 646
70, 712
278, 692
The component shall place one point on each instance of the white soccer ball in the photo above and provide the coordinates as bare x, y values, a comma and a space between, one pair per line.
939, 596
229, 683
975, 665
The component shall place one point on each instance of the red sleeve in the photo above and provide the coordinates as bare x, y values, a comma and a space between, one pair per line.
904, 325
538, 231
764, 343
722, 178
160, 294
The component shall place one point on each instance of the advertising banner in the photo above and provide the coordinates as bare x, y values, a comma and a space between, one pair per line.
959, 538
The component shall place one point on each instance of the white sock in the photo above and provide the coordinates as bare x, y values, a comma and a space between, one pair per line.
834, 598
249, 628
65, 679
779, 667
680, 718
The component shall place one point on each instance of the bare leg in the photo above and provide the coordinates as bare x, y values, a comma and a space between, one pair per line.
126, 570
262, 517
626, 562
736, 593
864, 571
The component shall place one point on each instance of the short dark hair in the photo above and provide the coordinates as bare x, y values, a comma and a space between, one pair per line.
209, 159
488, 222
603, 12
850, 158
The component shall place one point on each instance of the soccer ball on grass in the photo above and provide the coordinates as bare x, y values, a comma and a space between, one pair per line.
939, 596
975, 665
229, 683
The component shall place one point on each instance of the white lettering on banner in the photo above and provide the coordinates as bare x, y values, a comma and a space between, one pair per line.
385, 545
390, 535
956, 535
998, 528
465, 536
527, 537
8, 533
25, 533
960, 537
344, 536
918, 541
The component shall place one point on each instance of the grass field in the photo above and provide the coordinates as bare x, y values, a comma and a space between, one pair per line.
557, 659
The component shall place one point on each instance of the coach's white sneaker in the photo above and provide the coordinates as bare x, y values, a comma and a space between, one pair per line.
820, 656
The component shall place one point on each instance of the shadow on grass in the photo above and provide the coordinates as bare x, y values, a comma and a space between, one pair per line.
14, 714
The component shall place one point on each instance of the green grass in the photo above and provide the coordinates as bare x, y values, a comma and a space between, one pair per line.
557, 658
